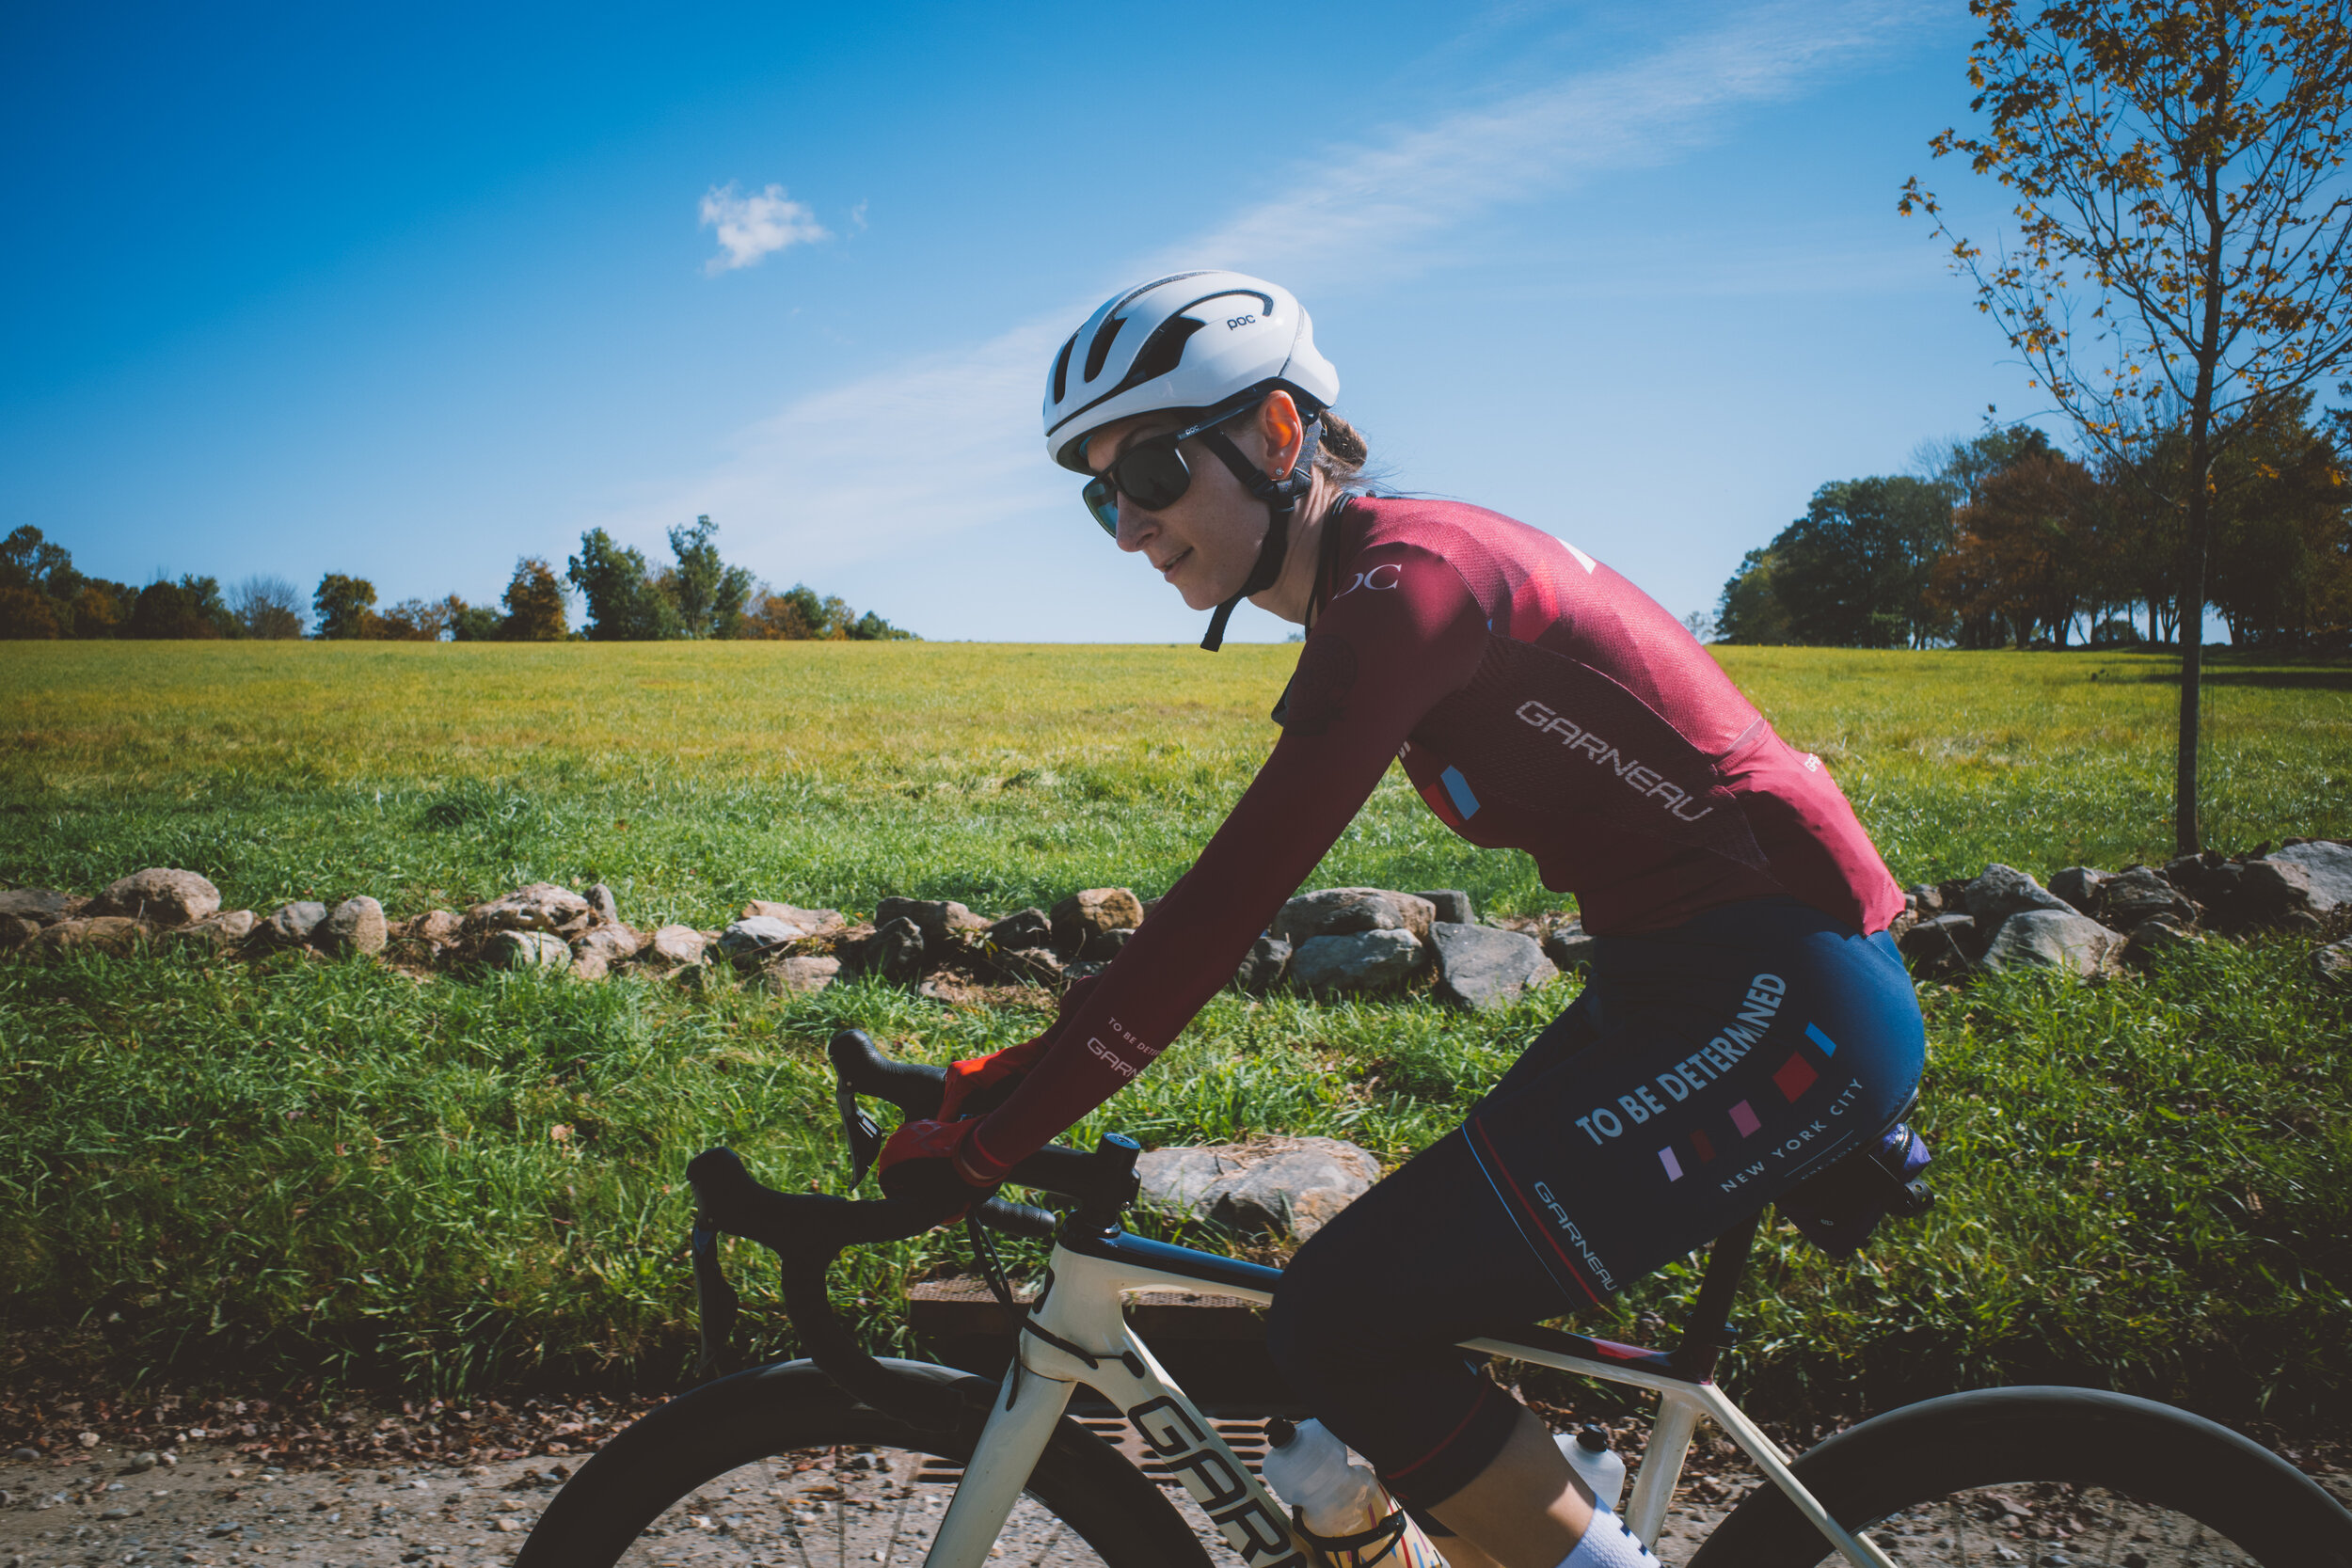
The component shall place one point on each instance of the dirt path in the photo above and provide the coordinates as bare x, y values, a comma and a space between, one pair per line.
208, 1505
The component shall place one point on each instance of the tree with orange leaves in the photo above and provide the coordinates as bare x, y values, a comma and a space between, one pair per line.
2178, 173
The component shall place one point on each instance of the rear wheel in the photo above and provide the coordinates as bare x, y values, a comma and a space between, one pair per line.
777, 1468
2068, 1478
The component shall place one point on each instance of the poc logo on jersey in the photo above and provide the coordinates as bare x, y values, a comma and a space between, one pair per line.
1380, 580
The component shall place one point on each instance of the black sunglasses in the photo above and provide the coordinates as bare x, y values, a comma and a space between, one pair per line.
1155, 475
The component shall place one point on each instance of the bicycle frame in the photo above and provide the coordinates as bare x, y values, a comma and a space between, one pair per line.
1080, 1307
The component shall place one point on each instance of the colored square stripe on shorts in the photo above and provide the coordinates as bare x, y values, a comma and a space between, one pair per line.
1813, 1033
1794, 1076
1674, 1166
1744, 1116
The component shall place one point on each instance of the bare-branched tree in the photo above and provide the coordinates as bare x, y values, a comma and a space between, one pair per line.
2184, 219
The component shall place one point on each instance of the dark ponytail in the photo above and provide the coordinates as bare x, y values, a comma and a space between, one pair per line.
1343, 453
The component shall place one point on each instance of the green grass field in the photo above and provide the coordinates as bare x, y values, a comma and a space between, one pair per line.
293, 1170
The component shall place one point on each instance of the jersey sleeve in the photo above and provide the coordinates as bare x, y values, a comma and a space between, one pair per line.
1402, 631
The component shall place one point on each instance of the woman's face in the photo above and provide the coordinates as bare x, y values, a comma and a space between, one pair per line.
1206, 542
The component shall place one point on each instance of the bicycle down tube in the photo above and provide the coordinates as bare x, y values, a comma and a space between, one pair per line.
1080, 1307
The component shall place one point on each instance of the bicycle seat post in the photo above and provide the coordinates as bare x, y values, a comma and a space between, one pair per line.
1705, 1335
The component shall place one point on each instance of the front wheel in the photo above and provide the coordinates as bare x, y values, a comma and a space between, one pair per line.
2005, 1477
777, 1466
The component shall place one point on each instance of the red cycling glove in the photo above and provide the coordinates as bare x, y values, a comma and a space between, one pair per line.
978, 1087
920, 1164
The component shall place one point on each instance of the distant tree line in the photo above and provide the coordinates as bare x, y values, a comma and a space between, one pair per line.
2004, 541
698, 595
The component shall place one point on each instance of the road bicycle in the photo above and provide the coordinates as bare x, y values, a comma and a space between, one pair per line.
845, 1458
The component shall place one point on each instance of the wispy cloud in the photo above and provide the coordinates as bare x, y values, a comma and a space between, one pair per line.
750, 227
824, 482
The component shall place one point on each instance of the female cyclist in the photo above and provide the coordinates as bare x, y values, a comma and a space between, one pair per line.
1745, 1021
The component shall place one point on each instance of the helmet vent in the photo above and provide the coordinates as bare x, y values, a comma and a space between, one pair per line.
1164, 350
1061, 368
1100, 349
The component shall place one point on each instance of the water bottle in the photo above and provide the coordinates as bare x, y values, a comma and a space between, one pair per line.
1309, 1469
1599, 1466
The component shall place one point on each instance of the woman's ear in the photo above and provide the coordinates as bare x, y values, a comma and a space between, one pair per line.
1282, 433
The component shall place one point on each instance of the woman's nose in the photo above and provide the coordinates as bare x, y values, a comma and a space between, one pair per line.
1136, 525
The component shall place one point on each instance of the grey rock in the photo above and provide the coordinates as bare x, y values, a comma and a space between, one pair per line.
1941, 946
1569, 947
293, 925
673, 947
1262, 970
16, 932
1338, 911
2155, 934
600, 947
2004, 891
2192, 872
2329, 864
2079, 886
540, 906
117, 935
934, 917
524, 949
1104, 946
1452, 905
2274, 893
1022, 931
815, 922
216, 933
1282, 1186
2053, 939
796, 977
43, 906
603, 907
1359, 961
589, 964
1902, 921
1482, 967
354, 926
161, 895
2333, 964
1926, 897
439, 926
2139, 894
894, 952
1086, 914
745, 940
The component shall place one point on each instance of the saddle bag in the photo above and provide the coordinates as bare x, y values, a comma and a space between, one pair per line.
1837, 1208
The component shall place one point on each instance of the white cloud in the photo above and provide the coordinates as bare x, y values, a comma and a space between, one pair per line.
750, 227
825, 484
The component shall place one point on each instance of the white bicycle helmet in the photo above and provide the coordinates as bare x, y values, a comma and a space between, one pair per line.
1195, 340
1208, 343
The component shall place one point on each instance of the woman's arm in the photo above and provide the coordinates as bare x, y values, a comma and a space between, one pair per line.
1403, 634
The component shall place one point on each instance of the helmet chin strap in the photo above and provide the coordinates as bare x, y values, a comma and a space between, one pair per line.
1282, 497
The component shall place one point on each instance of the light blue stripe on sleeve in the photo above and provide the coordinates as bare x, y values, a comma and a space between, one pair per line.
1813, 1033
1458, 788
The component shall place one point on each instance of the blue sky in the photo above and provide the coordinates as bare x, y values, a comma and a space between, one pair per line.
407, 293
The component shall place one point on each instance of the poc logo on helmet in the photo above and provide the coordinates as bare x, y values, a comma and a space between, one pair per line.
1232, 322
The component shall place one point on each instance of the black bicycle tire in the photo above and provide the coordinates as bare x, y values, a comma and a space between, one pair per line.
2085, 1436
735, 1420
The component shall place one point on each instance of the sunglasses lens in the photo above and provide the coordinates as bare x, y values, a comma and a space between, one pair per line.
1156, 476
1103, 503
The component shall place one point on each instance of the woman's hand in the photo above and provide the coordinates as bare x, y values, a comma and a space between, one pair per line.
922, 1164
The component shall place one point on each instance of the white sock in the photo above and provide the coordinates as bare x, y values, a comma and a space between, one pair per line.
1607, 1543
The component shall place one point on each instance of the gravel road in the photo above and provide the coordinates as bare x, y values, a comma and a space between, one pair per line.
210, 1505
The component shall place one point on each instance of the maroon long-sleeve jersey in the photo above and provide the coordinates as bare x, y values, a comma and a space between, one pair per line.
1538, 702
